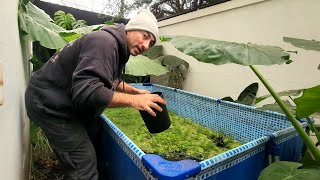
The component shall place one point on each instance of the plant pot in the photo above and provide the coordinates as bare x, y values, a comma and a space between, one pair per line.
158, 123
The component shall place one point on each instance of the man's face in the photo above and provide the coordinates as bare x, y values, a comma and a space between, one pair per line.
139, 41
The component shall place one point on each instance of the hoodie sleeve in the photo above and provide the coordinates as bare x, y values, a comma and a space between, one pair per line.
93, 76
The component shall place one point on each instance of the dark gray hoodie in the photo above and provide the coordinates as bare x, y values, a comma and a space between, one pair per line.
79, 80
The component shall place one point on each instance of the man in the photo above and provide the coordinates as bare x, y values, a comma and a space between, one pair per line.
67, 95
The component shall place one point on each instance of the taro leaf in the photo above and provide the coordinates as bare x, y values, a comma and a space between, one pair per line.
275, 107
283, 93
154, 52
228, 98
222, 52
173, 61
39, 27
289, 170
71, 35
309, 161
142, 66
248, 94
309, 102
86, 29
304, 44
22, 5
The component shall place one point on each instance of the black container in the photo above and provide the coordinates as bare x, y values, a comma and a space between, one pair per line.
158, 123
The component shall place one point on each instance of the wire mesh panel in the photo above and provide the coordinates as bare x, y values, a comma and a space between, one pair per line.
243, 123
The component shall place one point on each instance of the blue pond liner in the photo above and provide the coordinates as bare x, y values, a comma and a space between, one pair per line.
264, 134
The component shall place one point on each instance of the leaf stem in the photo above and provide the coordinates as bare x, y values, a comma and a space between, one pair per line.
313, 128
313, 149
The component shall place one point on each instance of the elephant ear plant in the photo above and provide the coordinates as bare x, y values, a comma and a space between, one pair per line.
154, 62
222, 52
141, 66
36, 25
177, 67
247, 96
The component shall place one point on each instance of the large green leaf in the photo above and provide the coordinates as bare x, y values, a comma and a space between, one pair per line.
309, 102
86, 29
38, 26
275, 107
304, 44
39, 16
173, 61
228, 98
309, 161
281, 170
283, 93
71, 35
22, 5
154, 52
222, 52
248, 94
142, 66
64, 20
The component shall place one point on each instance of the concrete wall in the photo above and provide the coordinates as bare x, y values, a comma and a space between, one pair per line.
14, 125
263, 22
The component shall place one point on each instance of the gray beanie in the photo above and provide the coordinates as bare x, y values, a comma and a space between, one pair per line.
145, 21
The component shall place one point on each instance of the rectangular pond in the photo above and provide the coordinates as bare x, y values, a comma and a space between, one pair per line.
265, 135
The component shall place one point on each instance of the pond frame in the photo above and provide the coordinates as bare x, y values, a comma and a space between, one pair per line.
266, 136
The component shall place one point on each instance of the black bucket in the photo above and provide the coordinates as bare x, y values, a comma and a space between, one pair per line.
158, 123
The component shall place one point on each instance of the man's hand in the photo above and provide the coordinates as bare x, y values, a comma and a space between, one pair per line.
142, 91
144, 102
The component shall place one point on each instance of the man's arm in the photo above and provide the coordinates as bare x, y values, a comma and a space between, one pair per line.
143, 102
126, 88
